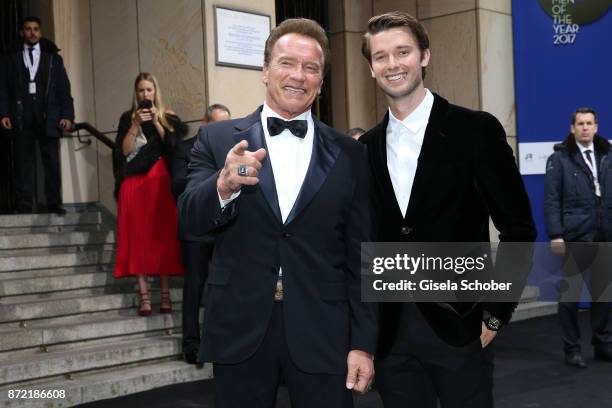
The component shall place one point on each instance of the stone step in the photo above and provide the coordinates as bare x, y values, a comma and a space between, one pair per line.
85, 317
75, 304
54, 229
56, 239
68, 303
32, 285
94, 386
49, 272
40, 365
37, 220
41, 352
26, 298
530, 310
85, 328
113, 286
27, 260
530, 294
20, 252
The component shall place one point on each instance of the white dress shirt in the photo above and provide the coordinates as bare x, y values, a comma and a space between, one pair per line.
290, 158
592, 165
32, 68
404, 142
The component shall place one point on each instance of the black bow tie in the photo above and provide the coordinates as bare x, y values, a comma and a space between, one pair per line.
297, 127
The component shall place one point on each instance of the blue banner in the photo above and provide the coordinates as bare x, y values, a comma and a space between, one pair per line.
563, 61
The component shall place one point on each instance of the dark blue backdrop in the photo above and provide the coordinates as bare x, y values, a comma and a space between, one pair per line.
551, 81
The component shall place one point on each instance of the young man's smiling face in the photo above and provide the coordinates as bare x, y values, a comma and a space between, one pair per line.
397, 61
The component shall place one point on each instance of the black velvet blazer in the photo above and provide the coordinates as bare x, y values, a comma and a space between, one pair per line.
466, 172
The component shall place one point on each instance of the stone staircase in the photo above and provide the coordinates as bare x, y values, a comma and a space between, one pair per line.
529, 306
67, 324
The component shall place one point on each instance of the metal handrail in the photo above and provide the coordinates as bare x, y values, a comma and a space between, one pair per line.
88, 127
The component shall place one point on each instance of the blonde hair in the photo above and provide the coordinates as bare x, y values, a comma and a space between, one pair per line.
157, 101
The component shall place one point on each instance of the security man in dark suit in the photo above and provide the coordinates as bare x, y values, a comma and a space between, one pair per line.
577, 211
196, 255
35, 103
439, 172
286, 199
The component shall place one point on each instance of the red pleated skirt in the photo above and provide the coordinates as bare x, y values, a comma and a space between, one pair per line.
147, 221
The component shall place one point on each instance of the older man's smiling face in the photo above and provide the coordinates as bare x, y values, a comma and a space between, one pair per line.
294, 75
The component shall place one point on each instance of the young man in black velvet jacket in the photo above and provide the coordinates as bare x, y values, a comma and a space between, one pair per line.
439, 171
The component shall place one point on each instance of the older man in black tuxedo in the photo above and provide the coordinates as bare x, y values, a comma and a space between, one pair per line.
285, 198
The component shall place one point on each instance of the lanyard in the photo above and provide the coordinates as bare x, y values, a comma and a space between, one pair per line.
32, 68
591, 165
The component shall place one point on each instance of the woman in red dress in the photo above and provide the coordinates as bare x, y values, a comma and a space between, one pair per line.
146, 216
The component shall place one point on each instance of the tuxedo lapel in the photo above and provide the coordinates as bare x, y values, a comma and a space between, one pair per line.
325, 151
250, 129
433, 149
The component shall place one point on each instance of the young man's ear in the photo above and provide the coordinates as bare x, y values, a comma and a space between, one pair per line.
425, 56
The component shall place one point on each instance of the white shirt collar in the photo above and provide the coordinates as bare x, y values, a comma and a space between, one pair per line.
418, 118
268, 112
36, 47
583, 149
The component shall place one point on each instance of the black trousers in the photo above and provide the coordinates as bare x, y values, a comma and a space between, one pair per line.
422, 370
253, 383
25, 158
595, 258
195, 260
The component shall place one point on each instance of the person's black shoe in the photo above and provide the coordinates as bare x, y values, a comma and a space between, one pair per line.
191, 356
575, 360
56, 209
603, 354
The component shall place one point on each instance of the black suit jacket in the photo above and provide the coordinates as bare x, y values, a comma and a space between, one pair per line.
465, 172
318, 248
57, 98
181, 156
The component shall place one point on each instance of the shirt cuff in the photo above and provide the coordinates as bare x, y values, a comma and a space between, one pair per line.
223, 202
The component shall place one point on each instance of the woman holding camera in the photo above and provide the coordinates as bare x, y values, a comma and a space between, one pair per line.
146, 212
